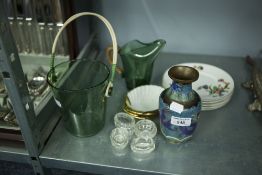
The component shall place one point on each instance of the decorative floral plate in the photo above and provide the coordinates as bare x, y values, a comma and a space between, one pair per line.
215, 106
214, 84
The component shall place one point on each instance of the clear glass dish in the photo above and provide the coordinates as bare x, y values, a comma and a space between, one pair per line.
142, 145
124, 120
119, 138
145, 128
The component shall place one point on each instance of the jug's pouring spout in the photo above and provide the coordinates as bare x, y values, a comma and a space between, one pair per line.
157, 46
138, 49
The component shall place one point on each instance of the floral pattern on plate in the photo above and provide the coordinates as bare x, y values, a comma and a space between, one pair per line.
216, 90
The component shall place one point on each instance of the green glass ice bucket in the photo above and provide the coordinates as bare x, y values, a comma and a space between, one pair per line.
80, 87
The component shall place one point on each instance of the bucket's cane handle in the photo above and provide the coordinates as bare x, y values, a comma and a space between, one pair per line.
114, 43
109, 56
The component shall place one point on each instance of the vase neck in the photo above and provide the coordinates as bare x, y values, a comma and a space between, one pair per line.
181, 92
181, 88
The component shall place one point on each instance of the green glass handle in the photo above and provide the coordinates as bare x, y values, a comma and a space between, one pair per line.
109, 56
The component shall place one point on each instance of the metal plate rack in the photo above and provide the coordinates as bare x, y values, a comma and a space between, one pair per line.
36, 124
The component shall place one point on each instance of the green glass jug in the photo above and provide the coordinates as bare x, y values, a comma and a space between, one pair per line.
138, 61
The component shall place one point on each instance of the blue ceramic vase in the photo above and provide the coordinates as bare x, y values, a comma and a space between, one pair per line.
179, 105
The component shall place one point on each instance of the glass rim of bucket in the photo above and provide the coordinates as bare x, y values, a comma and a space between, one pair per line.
77, 90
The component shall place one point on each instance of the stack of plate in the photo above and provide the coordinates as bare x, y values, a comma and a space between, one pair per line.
214, 86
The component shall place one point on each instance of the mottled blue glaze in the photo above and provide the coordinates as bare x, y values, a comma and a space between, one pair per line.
173, 132
180, 88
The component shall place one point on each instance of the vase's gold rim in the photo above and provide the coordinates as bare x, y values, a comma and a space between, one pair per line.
183, 74
138, 114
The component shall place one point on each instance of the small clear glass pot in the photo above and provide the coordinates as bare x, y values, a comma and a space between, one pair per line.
119, 138
145, 128
142, 145
124, 120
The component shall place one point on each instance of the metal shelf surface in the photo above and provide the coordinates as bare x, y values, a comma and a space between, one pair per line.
227, 140
13, 151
